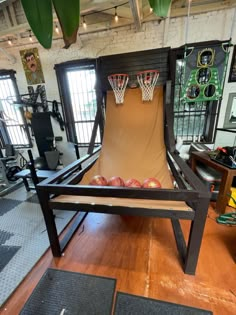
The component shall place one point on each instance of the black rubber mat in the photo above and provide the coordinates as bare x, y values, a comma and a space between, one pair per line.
4, 236
33, 199
6, 254
127, 304
65, 292
7, 205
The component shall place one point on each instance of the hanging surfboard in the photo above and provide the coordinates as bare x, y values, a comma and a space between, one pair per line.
160, 7
39, 16
68, 13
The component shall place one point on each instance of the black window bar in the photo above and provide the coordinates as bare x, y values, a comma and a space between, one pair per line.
13, 124
193, 121
81, 84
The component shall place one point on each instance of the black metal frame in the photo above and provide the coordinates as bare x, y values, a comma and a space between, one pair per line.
197, 198
61, 70
232, 72
5, 138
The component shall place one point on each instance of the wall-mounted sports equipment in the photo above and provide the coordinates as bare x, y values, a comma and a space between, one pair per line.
147, 80
204, 73
118, 83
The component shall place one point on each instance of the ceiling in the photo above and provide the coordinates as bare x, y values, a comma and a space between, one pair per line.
99, 15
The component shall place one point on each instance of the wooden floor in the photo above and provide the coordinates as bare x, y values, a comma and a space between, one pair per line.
141, 254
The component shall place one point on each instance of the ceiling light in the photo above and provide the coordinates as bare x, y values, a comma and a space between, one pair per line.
84, 23
151, 10
30, 36
116, 16
57, 29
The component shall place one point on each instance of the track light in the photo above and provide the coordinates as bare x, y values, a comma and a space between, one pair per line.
30, 36
9, 42
84, 23
57, 29
116, 16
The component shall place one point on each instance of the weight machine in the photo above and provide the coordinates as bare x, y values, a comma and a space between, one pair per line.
9, 168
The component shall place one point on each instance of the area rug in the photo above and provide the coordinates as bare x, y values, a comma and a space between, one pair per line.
65, 292
133, 304
23, 237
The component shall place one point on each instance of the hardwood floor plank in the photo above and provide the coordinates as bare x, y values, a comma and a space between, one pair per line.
141, 254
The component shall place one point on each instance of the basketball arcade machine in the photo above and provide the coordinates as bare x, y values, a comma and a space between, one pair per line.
64, 183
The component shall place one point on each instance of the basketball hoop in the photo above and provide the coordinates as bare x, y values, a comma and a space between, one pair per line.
147, 80
118, 83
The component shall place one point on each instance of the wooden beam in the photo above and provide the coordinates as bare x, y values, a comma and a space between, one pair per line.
202, 8
166, 28
10, 57
178, 11
13, 14
93, 6
134, 6
6, 16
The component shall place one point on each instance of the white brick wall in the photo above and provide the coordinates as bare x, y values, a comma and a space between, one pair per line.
203, 27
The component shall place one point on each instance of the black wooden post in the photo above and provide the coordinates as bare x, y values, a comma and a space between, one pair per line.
50, 222
195, 236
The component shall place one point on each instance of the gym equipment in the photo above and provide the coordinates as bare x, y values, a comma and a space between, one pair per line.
98, 180
132, 182
151, 183
204, 72
118, 83
147, 80
8, 170
43, 132
40, 163
116, 181
132, 152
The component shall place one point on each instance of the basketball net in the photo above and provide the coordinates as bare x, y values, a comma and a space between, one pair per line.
147, 81
118, 83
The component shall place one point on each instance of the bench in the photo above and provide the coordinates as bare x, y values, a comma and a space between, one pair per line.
26, 174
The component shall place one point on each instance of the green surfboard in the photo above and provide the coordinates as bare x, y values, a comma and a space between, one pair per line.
160, 7
68, 13
39, 16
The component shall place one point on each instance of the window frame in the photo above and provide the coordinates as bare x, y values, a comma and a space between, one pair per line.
4, 135
61, 74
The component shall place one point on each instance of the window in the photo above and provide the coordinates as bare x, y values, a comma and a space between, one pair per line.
13, 129
77, 85
83, 102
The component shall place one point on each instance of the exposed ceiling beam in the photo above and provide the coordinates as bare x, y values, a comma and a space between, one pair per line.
166, 28
6, 17
10, 57
202, 8
135, 9
91, 6
13, 14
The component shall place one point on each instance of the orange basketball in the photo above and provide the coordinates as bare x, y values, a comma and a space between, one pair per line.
151, 183
116, 181
132, 182
98, 180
